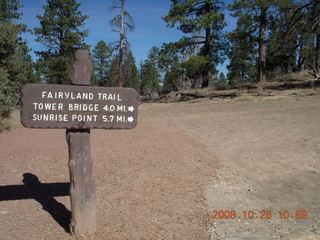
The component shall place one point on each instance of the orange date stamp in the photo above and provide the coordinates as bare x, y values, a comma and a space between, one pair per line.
262, 214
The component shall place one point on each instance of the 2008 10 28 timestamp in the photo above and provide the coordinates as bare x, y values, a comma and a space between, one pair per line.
260, 214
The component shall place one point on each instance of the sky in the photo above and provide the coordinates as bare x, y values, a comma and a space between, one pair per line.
150, 29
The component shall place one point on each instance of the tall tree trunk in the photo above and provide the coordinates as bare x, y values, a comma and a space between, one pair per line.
205, 79
242, 73
317, 59
206, 50
141, 79
194, 82
262, 46
206, 53
121, 48
300, 65
299, 58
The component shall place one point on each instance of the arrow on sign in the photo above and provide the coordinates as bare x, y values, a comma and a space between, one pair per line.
131, 108
130, 119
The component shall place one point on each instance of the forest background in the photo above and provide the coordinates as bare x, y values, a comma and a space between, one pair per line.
213, 43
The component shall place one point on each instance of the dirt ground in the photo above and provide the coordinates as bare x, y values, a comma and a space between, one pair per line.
165, 178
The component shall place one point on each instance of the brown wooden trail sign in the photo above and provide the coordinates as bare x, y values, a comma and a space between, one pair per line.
78, 109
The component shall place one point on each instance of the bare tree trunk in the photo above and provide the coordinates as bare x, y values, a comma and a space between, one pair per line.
262, 46
121, 48
299, 58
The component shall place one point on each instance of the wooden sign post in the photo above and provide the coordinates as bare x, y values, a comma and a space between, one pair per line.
82, 185
78, 108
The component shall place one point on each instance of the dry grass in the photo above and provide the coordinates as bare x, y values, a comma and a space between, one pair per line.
297, 76
297, 82
12, 122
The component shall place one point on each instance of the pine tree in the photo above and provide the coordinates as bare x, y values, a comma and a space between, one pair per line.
194, 67
114, 71
130, 72
259, 15
9, 10
122, 23
150, 73
169, 64
314, 20
173, 77
15, 62
242, 53
307, 14
102, 60
292, 43
132, 78
223, 81
60, 33
196, 17
282, 47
